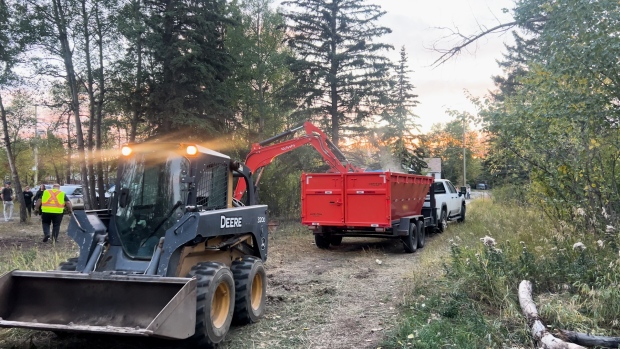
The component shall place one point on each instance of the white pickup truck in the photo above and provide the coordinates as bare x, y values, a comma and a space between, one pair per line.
444, 203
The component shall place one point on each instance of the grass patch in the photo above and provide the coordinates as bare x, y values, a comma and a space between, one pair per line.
473, 303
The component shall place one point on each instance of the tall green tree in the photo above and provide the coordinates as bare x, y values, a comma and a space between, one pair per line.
401, 132
129, 73
14, 41
58, 56
260, 72
561, 118
184, 41
340, 68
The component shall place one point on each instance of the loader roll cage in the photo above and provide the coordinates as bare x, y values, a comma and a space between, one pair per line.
263, 153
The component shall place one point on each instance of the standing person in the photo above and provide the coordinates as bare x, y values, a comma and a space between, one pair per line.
7, 199
468, 192
28, 200
52, 206
37, 196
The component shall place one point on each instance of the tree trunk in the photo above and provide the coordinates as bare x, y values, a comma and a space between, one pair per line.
91, 106
539, 330
333, 71
61, 23
9, 152
99, 116
589, 340
69, 153
137, 94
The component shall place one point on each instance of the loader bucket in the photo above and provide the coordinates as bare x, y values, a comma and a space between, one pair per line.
99, 303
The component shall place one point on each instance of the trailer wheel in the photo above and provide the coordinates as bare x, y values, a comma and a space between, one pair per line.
462, 218
321, 241
421, 234
335, 240
69, 265
250, 289
215, 301
411, 240
443, 221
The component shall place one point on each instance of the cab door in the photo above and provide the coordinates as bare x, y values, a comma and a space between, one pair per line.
454, 203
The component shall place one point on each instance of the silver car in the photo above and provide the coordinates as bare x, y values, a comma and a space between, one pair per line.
74, 194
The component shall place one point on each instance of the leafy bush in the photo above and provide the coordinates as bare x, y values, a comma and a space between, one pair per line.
574, 272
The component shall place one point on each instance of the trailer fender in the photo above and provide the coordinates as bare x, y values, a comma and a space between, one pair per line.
403, 226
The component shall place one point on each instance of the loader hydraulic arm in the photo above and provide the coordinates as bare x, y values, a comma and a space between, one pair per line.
263, 153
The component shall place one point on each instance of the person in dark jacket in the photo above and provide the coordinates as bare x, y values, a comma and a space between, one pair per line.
38, 196
28, 200
7, 198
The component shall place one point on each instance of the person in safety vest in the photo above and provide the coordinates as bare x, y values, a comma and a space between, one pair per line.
52, 206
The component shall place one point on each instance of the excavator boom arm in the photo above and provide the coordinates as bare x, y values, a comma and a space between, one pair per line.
263, 153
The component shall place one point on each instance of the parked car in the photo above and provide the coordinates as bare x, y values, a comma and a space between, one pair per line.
481, 186
75, 195
108, 194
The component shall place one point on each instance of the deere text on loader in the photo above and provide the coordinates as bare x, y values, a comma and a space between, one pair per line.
174, 256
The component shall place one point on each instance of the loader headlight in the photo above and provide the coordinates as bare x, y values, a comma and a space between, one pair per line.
191, 150
126, 150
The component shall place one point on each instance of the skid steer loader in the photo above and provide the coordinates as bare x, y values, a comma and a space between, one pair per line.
174, 256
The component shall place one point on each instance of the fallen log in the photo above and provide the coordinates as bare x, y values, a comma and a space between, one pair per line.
539, 331
589, 340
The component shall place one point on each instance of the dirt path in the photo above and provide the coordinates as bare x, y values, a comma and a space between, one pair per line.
345, 297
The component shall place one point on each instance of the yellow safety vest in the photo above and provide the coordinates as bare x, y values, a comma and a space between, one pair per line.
53, 201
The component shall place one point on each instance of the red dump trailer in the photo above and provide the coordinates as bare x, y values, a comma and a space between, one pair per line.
366, 204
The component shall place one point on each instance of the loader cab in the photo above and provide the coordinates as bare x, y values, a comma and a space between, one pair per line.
157, 184
150, 199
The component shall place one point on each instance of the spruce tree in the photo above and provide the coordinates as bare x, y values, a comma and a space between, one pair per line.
401, 130
340, 70
184, 43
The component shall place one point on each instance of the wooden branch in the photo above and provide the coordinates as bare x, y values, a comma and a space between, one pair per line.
539, 331
467, 40
589, 340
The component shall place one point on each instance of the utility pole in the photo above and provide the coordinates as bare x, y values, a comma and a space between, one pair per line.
464, 161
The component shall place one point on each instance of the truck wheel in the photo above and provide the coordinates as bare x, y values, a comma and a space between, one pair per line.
250, 289
321, 241
462, 218
421, 234
443, 221
335, 240
411, 240
69, 265
215, 303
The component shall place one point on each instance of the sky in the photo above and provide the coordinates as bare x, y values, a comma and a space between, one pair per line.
414, 25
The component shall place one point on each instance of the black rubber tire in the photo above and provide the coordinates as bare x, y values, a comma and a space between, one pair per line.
410, 241
321, 241
214, 282
335, 240
250, 290
463, 211
421, 234
442, 224
69, 265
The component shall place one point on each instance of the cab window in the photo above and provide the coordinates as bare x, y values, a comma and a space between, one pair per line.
451, 188
439, 188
